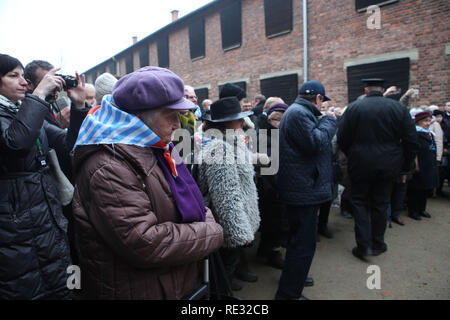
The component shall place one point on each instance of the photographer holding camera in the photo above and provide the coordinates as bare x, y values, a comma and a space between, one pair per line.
33, 230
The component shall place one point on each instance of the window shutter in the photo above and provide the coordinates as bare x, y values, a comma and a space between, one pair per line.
285, 87
143, 56
361, 5
278, 17
197, 39
395, 72
202, 94
231, 28
240, 84
129, 63
163, 52
112, 67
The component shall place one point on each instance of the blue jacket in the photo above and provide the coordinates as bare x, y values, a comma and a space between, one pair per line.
305, 175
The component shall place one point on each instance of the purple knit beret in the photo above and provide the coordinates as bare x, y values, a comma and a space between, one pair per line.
278, 106
150, 88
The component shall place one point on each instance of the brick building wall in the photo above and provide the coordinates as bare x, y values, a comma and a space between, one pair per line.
338, 39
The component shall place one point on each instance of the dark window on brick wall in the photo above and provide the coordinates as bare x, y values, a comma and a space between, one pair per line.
102, 69
361, 5
394, 72
240, 84
202, 94
94, 76
129, 67
231, 28
197, 39
112, 67
163, 52
285, 87
143, 56
278, 17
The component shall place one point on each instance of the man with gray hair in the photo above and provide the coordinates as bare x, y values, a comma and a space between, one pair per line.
90, 94
103, 86
189, 93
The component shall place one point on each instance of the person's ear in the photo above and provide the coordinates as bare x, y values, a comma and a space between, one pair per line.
366, 91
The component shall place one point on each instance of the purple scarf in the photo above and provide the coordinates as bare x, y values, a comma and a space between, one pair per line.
186, 193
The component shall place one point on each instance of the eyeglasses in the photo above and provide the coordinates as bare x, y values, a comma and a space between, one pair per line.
190, 97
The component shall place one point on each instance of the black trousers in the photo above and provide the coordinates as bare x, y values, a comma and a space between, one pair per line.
324, 213
370, 201
300, 249
417, 201
398, 198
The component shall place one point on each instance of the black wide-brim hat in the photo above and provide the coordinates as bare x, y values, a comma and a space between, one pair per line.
226, 109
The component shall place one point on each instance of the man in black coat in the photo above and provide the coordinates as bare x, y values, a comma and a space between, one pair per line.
379, 139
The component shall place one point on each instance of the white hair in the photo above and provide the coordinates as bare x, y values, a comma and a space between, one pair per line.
89, 86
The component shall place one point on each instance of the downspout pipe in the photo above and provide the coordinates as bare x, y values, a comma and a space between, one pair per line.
305, 40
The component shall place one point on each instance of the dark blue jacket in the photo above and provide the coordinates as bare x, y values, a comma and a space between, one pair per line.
305, 174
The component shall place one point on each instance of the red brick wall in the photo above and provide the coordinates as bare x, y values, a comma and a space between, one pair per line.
336, 32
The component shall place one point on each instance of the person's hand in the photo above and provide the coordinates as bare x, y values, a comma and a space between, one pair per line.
78, 94
390, 90
63, 117
49, 84
330, 114
410, 92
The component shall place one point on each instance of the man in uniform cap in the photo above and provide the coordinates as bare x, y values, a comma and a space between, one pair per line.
378, 137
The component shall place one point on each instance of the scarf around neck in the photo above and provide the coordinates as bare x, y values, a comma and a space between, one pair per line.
7, 105
107, 124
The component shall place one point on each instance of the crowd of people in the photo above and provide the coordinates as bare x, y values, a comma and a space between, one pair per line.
139, 222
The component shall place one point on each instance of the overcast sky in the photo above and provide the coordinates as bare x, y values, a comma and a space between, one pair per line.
79, 34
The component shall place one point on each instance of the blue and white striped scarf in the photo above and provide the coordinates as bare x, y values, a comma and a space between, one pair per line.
110, 125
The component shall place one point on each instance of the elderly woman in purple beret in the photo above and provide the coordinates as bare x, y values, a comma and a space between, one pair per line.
141, 223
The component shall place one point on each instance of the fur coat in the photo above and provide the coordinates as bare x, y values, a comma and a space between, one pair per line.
226, 180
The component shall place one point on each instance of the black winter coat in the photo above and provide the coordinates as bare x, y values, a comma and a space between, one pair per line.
427, 177
305, 175
34, 250
378, 137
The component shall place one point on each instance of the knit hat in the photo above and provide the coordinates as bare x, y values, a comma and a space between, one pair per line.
422, 115
150, 88
103, 86
232, 90
279, 106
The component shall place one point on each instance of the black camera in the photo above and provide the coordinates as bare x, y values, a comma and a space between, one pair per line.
71, 82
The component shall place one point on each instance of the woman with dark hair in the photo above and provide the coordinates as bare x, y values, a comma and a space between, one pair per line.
226, 180
34, 249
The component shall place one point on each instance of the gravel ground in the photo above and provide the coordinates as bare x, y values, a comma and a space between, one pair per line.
415, 267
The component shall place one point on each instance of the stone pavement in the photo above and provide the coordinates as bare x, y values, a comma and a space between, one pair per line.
416, 265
